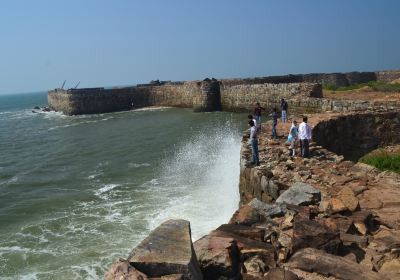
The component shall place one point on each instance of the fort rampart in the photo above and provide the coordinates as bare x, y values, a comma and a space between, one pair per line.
303, 93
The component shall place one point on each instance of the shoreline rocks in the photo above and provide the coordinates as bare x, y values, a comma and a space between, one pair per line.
317, 218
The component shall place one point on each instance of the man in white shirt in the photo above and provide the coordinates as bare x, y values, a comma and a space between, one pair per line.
254, 143
304, 137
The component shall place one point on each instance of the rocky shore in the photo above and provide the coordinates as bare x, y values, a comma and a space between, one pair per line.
323, 217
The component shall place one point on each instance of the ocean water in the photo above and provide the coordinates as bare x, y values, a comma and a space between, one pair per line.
78, 192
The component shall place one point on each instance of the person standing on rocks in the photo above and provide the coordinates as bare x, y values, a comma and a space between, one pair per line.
251, 118
274, 116
292, 137
304, 137
284, 109
254, 143
257, 114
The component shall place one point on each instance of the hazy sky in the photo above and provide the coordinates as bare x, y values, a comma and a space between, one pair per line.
116, 42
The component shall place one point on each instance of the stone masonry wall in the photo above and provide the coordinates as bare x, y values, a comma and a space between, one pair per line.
243, 97
101, 100
387, 76
208, 95
356, 135
90, 101
303, 93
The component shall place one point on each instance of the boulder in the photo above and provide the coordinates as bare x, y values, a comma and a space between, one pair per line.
255, 233
350, 239
318, 234
249, 247
391, 269
245, 215
343, 223
123, 270
255, 266
167, 250
218, 256
313, 260
350, 201
268, 210
300, 194
385, 241
332, 205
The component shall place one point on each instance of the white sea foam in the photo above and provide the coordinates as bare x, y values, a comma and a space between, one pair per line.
18, 249
137, 165
12, 180
6, 112
93, 176
88, 270
106, 188
152, 108
79, 123
201, 181
154, 182
30, 276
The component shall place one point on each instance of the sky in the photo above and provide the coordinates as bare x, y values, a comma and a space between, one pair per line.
125, 42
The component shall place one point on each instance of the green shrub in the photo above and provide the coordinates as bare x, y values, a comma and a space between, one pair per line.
375, 85
383, 160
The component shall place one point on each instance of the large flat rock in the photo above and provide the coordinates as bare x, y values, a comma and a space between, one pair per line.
167, 250
313, 260
268, 210
300, 194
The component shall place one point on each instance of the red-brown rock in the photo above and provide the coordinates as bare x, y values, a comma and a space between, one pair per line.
255, 233
167, 250
245, 215
218, 256
315, 234
123, 270
318, 261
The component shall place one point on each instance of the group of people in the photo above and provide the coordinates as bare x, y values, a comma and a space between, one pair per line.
301, 133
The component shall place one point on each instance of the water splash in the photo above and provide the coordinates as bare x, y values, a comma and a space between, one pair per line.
201, 180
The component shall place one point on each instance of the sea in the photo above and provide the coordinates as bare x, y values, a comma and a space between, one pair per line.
79, 192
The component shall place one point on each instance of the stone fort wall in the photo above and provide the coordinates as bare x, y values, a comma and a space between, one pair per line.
200, 95
303, 93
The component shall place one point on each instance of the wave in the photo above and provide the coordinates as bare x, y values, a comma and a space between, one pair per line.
6, 112
78, 123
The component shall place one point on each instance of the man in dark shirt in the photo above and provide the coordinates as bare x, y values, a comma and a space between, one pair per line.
257, 114
274, 116
284, 109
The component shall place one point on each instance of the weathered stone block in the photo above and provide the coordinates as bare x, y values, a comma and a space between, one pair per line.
218, 256
300, 194
313, 260
167, 250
